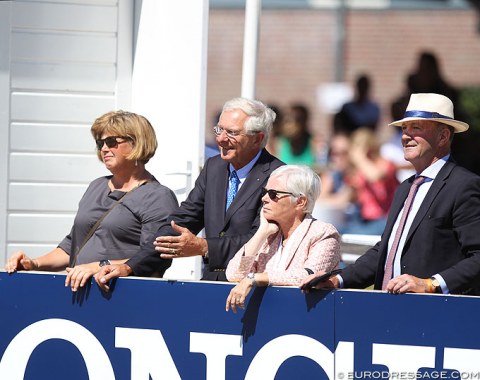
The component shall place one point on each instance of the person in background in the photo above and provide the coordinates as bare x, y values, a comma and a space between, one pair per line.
429, 77
290, 243
374, 182
392, 149
276, 130
431, 243
334, 188
124, 208
334, 204
362, 111
294, 145
225, 201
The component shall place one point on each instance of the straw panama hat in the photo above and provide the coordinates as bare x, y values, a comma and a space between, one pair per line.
431, 107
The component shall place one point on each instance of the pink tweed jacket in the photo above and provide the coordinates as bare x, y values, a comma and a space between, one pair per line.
314, 245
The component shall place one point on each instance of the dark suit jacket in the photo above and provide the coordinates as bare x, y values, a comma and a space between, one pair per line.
226, 232
444, 237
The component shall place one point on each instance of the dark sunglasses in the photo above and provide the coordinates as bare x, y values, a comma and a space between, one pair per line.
110, 141
273, 194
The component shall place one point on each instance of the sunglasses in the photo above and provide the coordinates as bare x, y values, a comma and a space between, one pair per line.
273, 194
111, 141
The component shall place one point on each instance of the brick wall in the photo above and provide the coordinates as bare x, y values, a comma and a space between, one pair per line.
297, 53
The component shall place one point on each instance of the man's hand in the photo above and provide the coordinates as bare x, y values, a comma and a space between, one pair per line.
109, 272
238, 295
80, 274
406, 283
331, 283
185, 245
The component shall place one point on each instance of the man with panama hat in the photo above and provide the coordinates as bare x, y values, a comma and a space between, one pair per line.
431, 242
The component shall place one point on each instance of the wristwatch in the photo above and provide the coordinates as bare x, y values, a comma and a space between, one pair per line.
436, 285
251, 276
103, 263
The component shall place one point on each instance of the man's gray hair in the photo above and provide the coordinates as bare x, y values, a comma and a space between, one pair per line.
301, 180
260, 117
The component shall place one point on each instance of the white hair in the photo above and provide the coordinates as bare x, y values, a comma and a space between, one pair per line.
260, 117
301, 180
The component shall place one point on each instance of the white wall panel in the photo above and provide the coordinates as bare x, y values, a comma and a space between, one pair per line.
38, 228
61, 138
59, 107
66, 63
55, 168
67, 47
5, 12
71, 17
83, 2
68, 77
43, 197
32, 250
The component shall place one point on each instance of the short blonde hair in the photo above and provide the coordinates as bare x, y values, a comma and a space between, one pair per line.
365, 139
136, 127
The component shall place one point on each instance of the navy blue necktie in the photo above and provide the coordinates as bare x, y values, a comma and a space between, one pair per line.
232, 188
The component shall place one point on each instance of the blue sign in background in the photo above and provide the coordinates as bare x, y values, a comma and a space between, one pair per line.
178, 309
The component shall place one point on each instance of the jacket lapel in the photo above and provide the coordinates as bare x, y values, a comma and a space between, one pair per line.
397, 205
437, 185
253, 182
295, 241
221, 182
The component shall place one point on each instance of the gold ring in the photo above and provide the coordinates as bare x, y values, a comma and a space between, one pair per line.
172, 250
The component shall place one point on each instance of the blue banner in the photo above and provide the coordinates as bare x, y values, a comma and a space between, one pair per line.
158, 329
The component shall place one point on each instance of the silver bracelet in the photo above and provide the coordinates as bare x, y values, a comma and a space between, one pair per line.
251, 276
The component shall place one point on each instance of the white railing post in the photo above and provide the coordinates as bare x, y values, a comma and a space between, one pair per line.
250, 47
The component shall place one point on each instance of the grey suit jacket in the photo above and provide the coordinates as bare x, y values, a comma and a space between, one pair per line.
226, 231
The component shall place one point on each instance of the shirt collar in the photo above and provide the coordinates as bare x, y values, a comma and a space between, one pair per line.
432, 171
243, 172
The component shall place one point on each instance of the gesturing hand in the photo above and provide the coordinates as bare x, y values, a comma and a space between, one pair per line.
184, 245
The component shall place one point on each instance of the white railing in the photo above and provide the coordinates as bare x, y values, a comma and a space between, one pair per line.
353, 246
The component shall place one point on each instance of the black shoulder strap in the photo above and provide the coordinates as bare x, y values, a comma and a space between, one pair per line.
73, 257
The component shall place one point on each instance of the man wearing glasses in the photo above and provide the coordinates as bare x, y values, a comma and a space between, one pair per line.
226, 199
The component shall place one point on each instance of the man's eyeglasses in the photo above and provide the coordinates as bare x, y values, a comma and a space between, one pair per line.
273, 194
111, 141
229, 132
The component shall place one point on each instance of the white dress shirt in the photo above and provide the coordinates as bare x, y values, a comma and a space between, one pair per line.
430, 174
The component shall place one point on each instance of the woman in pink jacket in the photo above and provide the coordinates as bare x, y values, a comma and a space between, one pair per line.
290, 243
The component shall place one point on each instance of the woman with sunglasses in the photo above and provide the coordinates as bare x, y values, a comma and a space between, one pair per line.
289, 244
118, 212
